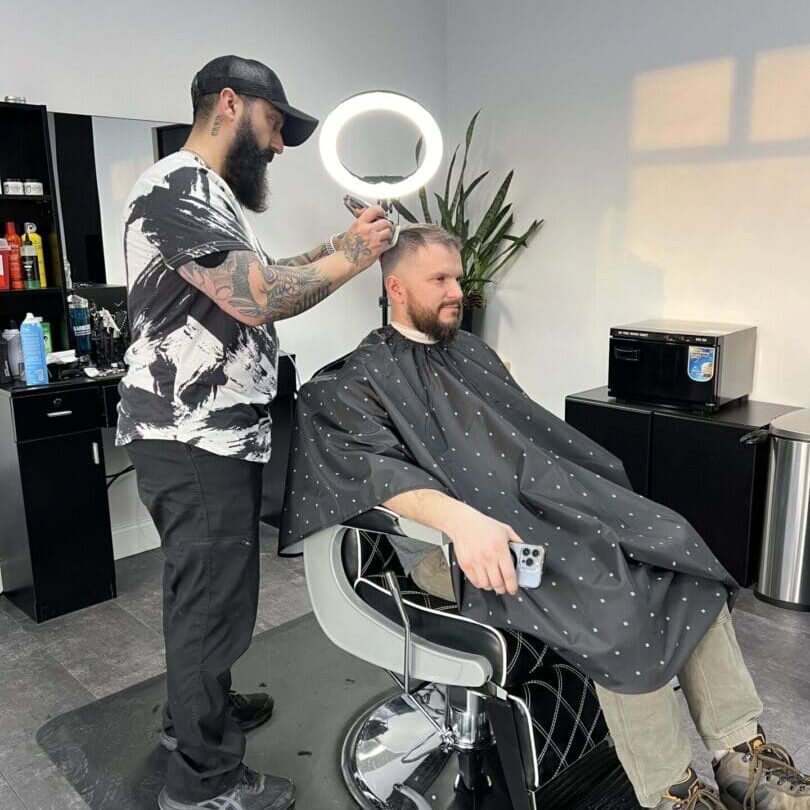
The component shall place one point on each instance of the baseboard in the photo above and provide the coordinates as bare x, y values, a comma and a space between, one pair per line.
134, 538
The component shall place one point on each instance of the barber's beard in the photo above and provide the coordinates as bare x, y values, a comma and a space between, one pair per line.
245, 169
427, 321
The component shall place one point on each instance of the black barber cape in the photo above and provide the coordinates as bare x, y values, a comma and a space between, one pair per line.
629, 587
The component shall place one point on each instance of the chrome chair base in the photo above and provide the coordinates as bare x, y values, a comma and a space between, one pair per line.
394, 758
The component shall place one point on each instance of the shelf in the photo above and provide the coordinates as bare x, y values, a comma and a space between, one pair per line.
40, 291
37, 198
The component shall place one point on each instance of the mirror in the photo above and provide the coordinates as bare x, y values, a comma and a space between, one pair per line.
96, 161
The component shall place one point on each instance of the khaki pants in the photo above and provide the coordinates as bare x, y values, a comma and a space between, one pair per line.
650, 740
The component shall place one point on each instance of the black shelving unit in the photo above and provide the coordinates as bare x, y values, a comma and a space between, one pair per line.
25, 152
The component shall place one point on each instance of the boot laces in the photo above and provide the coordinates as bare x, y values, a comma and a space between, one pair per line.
773, 762
700, 797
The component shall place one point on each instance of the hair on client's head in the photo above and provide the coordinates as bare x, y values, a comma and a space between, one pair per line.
411, 239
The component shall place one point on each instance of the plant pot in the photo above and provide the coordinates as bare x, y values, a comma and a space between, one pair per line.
472, 320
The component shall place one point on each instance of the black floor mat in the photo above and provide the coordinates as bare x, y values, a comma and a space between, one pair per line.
109, 749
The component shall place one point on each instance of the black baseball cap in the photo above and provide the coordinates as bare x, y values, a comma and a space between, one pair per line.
252, 78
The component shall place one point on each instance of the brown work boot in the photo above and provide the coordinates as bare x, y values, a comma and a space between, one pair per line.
690, 794
759, 775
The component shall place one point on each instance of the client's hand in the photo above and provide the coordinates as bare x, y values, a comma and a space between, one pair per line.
481, 546
367, 238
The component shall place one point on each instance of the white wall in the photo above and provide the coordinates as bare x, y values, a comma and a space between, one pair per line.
137, 60
667, 145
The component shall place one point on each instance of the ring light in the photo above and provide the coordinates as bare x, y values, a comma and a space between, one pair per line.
380, 101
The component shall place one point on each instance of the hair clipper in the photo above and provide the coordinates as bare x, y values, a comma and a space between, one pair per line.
356, 206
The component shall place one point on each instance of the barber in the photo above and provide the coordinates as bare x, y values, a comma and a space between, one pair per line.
195, 402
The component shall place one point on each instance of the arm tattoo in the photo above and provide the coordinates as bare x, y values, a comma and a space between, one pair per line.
305, 258
254, 292
217, 126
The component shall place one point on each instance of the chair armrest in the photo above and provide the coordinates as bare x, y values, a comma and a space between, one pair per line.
357, 628
380, 519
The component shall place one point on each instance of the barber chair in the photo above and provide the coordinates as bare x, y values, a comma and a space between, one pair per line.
479, 718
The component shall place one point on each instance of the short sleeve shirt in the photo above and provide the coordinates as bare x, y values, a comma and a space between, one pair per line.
194, 373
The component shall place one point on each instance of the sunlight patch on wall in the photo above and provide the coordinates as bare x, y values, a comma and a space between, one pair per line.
780, 103
683, 107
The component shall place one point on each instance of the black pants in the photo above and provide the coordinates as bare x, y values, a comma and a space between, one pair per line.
206, 510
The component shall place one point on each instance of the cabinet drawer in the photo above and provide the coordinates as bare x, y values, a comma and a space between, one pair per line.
57, 413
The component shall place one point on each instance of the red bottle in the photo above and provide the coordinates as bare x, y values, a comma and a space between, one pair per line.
5, 264
15, 274
11, 236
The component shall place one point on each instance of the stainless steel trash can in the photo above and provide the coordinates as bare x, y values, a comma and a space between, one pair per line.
784, 569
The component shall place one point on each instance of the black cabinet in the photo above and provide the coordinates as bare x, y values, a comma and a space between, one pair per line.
56, 551
623, 430
692, 463
69, 533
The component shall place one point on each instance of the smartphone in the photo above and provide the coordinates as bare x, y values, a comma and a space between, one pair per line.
528, 560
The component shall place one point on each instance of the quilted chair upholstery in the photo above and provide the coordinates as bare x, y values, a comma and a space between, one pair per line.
557, 703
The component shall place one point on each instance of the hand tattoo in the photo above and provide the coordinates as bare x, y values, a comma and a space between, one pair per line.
353, 247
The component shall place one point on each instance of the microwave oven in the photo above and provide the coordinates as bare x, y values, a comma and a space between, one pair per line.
687, 364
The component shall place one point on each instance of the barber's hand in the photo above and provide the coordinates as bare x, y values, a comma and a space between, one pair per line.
481, 545
366, 239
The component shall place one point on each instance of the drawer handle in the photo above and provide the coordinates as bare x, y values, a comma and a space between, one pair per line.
55, 414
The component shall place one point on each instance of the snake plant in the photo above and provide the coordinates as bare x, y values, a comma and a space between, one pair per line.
486, 248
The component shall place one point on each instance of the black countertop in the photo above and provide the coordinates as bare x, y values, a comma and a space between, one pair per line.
748, 414
20, 389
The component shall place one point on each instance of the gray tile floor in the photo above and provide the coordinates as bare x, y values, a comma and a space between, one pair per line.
50, 668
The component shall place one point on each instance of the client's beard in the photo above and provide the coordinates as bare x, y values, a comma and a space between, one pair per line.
245, 169
427, 321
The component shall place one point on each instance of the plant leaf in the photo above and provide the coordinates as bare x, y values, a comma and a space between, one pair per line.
492, 244
474, 183
446, 219
522, 241
423, 200
495, 206
494, 222
467, 141
450, 174
403, 211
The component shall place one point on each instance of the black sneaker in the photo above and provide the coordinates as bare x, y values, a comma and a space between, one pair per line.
249, 711
255, 791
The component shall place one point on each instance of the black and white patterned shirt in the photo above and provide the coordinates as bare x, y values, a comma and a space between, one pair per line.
194, 373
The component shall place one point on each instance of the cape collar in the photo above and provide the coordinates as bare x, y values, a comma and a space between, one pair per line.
413, 334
